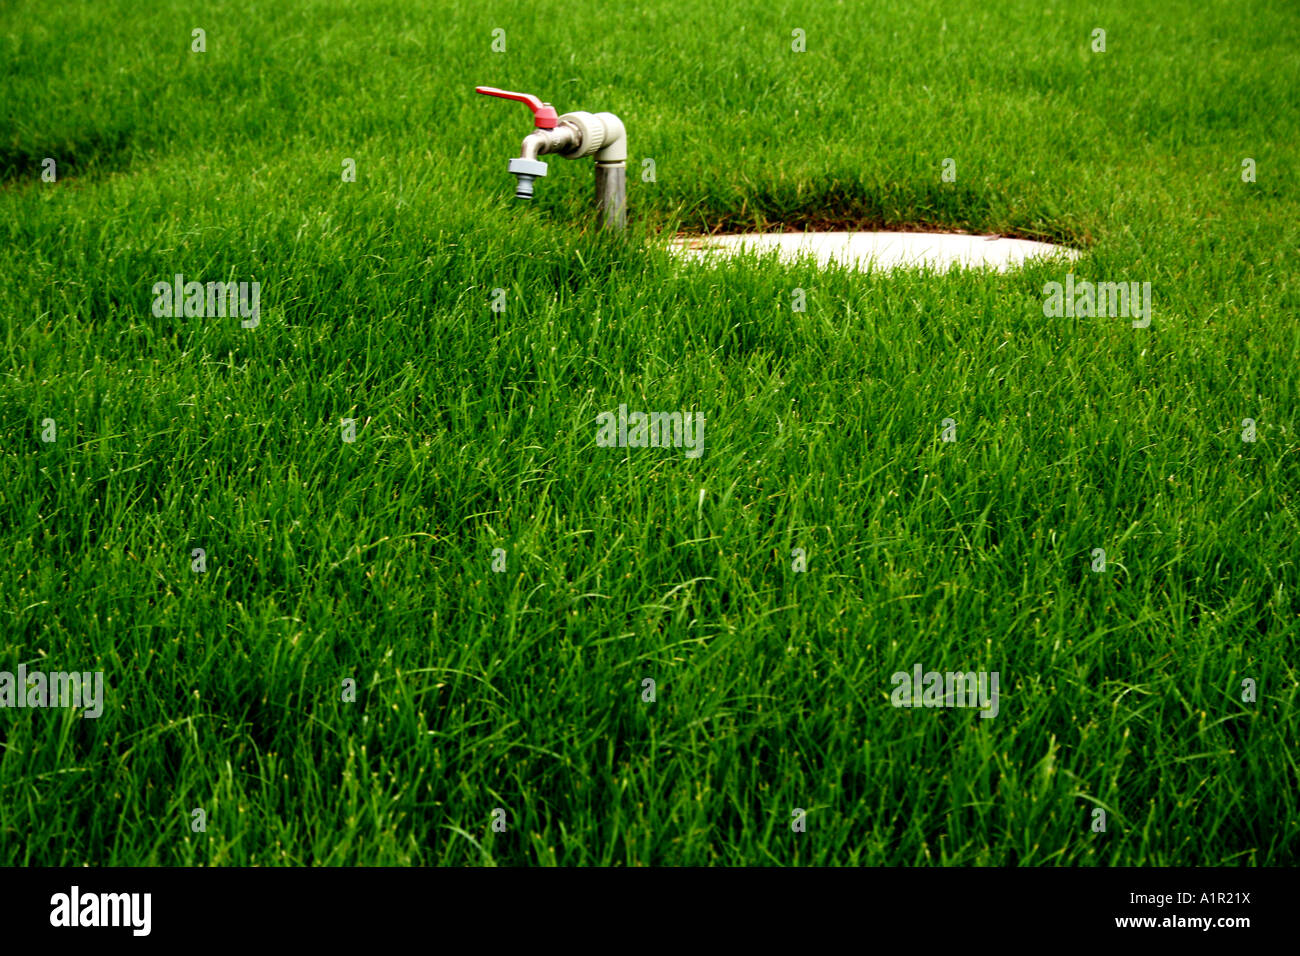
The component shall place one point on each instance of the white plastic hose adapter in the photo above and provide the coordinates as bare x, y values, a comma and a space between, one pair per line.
602, 135
591, 133
526, 170
614, 149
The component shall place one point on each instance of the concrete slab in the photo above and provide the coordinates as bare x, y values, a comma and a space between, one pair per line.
880, 251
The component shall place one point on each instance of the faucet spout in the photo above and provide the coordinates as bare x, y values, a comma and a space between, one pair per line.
534, 145
527, 167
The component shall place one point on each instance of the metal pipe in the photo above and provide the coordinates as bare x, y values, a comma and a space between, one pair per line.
611, 194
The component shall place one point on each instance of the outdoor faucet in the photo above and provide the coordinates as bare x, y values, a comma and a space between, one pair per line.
573, 136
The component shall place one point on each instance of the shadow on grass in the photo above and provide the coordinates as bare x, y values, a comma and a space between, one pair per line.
839, 207
75, 153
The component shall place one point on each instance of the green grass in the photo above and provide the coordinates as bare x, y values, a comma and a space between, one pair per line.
476, 431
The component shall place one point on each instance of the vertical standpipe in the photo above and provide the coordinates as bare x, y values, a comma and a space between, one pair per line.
611, 194
604, 136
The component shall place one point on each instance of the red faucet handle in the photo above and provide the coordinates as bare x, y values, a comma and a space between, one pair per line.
544, 116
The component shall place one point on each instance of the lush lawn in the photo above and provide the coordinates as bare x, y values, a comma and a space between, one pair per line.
372, 560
